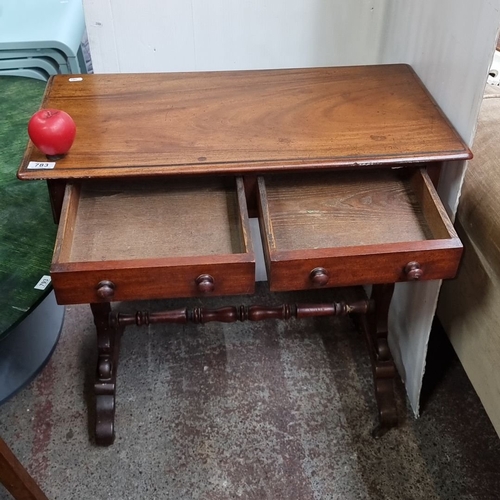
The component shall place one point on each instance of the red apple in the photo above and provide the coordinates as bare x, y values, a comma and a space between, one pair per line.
52, 131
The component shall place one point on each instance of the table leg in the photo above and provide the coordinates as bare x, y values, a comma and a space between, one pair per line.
108, 347
15, 478
57, 188
384, 370
372, 314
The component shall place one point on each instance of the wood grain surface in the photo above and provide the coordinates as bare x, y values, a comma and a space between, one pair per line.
154, 219
246, 121
359, 227
16, 478
152, 239
340, 209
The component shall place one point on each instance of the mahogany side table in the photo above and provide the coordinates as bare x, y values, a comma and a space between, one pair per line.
154, 199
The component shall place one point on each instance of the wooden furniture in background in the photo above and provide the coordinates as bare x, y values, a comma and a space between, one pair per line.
154, 198
15, 477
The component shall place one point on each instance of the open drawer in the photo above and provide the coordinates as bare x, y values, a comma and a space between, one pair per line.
153, 238
354, 227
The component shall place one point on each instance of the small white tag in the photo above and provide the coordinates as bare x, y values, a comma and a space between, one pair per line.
40, 165
75, 79
43, 283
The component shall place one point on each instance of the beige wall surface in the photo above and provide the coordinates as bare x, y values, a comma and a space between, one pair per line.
468, 306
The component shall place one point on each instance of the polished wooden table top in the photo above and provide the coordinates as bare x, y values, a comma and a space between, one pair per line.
161, 237
246, 122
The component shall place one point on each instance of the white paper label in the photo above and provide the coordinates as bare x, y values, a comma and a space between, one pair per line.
75, 79
40, 165
43, 283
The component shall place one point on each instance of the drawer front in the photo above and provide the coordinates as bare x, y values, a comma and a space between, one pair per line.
75, 286
344, 229
301, 273
153, 239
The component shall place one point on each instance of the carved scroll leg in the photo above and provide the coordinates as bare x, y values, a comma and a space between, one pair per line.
108, 347
384, 370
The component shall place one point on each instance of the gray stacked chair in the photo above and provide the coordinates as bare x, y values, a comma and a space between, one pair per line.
40, 38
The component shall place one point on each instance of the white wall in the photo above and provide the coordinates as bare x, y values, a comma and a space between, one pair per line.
182, 35
449, 43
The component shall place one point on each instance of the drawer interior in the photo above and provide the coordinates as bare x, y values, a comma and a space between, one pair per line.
350, 208
111, 220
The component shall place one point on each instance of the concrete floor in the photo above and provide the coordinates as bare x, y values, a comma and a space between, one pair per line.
252, 411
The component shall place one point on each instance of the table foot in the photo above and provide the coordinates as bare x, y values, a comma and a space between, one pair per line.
372, 313
380, 430
105, 419
386, 402
108, 348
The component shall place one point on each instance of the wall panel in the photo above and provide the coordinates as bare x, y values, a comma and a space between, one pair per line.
450, 44
181, 35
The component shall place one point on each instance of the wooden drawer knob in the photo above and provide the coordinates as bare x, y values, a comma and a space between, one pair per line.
205, 283
106, 289
319, 276
413, 271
